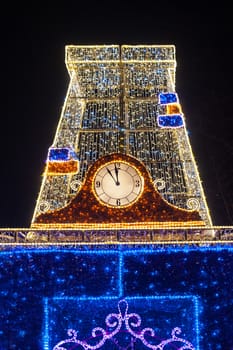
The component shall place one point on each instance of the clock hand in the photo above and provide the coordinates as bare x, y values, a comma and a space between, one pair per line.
116, 182
116, 172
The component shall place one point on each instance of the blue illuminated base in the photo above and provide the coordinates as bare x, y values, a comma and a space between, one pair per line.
119, 297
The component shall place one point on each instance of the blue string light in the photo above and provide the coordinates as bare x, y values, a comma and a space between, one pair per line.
170, 121
191, 286
167, 97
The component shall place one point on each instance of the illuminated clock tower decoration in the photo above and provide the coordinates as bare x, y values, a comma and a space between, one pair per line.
121, 253
121, 154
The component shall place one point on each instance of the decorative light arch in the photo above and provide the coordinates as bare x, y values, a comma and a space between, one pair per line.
131, 323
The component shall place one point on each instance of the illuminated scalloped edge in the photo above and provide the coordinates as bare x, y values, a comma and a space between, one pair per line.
132, 323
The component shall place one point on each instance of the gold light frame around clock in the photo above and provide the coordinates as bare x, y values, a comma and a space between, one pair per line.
85, 210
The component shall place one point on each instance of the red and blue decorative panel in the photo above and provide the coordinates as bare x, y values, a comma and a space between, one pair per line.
61, 161
170, 114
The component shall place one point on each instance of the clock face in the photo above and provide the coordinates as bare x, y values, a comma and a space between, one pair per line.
118, 184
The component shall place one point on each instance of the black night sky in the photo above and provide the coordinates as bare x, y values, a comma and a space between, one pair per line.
34, 82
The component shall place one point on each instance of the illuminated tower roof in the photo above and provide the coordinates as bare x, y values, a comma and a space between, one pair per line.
121, 107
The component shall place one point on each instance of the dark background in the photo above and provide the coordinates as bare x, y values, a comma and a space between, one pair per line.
34, 83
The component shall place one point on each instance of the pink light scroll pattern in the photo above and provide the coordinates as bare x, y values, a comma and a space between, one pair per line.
120, 322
